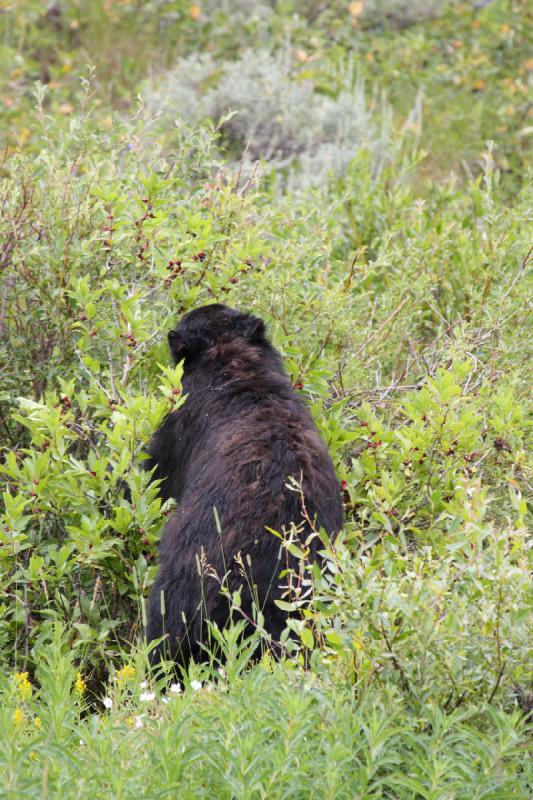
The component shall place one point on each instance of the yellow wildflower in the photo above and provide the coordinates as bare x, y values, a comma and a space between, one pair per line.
123, 675
80, 685
22, 685
38, 723
19, 717
267, 662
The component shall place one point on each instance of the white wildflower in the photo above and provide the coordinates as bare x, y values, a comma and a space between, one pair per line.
147, 697
144, 684
175, 688
196, 686
108, 703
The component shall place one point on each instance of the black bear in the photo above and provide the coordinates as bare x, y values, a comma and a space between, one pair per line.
227, 456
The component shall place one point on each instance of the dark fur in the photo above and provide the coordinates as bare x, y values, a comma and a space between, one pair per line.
240, 434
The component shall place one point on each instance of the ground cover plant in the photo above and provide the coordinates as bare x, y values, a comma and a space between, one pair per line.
379, 224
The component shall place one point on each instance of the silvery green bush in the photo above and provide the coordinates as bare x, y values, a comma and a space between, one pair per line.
401, 12
268, 112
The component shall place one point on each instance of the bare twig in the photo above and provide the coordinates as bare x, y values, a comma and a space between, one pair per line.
382, 327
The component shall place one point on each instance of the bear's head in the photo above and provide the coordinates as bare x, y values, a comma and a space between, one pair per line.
211, 325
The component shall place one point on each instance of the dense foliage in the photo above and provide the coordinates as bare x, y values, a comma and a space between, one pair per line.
355, 202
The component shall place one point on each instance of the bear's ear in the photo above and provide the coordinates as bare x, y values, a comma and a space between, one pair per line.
254, 330
185, 345
174, 345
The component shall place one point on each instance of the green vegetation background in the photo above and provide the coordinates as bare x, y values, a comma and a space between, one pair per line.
371, 199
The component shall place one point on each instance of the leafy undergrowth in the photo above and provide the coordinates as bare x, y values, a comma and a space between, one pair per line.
267, 732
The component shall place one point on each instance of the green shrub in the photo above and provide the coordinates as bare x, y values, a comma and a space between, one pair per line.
109, 243
111, 239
